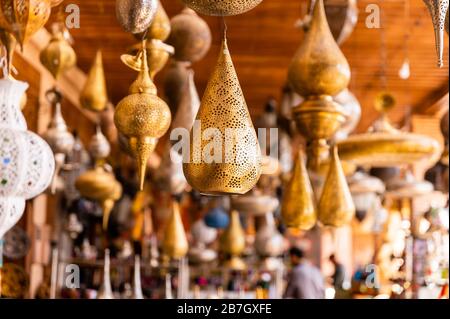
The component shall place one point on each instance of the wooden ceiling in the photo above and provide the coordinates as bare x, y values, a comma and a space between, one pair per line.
263, 41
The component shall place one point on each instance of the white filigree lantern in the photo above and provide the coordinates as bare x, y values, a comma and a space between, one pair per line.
26, 161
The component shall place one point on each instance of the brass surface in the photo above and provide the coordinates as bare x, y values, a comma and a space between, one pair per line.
335, 207
160, 27
9, 42
141, 118
232, 242
223, 108
438, 10
175, 244
23, 18
100, 185
94, 96
135, 16
190, 36
222, 7
298, 208
58, 56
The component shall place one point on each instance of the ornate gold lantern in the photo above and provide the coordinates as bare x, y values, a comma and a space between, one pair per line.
438, 10
318, 72
135, 16
142, 118
222, 7
233, 165
94, 96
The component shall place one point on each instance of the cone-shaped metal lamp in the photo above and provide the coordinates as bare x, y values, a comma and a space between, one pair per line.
175, 244
232, 243
94, 96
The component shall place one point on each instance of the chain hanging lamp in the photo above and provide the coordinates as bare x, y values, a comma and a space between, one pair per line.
26, 161
23, 18
298, 208
142, 118
222, 7
94, 96
233, 166
318, 72
175, 244
232, 243
438, 11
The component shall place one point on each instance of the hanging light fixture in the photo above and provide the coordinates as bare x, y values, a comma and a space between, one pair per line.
298, 209
175, 244
232, 243
26, 161
438, 10
135, 16
385, 146
203, 236
269, 243
23, 18
222, 7
224, 110
142, 118
318, 72
93, 96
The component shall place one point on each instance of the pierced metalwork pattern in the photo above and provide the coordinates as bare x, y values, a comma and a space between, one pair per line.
222, 7
223, 109
438, 10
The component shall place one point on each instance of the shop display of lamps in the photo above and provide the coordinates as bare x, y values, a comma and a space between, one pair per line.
438, 11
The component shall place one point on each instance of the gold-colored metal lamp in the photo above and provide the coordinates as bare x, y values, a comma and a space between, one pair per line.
233, 164
58, 56
94, 96
385, 146
175, 244
99, 184
298, 208
438, 10
318, 72
222, 7
232, 243
142, 118
23, 18
335, 207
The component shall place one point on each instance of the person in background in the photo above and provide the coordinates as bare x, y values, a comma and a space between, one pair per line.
305, 280
339, 273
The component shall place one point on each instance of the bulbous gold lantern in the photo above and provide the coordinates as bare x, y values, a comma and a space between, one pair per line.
23, 18
335, 207
228, 160
175, 244
232, 243
58, 56
298, 208
222, 7
142, 118
318, 72
94, 96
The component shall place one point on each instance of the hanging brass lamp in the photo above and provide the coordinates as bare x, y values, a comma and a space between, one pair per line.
135, 16
175, 244
298, 208
318, 72
335, 207
233, 165
23, 18
385, 146
190, 36
438, 11
222, 7
142, 118
232, 243
408, 186
94, 96
58, 56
